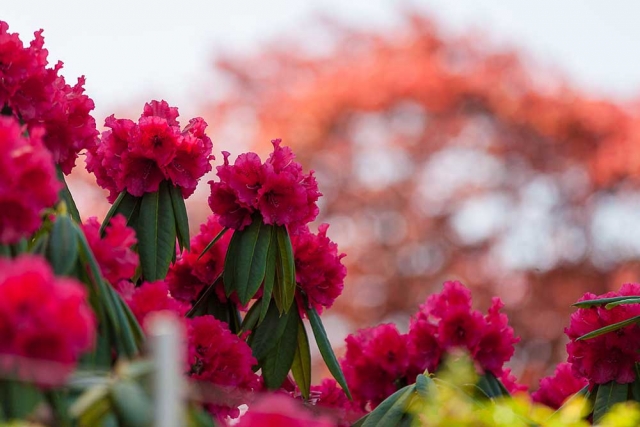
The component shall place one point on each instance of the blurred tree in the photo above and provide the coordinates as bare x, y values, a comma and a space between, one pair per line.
442, 159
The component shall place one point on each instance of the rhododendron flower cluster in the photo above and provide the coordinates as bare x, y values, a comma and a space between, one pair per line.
555, 389
218, 356
40, 97
333, 401
380, 360
28, 181
136, 157
608, 357
319, 269
113, 252
149, 298
42, 318
277, 189
278, 410
193, 271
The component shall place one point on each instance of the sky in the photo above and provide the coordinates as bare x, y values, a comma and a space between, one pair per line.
136, 50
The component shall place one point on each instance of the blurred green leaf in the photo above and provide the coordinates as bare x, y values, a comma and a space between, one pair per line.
301, 367
180, 214
608, 395
609, 328
285, 286
62, 248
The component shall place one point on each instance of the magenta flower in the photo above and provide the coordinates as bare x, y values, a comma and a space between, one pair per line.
555, 389
138, 156
28, 182
151, 297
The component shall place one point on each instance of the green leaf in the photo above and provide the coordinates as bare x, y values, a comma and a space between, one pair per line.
301, 367
598, 302
62, 249
251, 318
269, 276
213, 242
230, 261
131, 403
424, 385
180, 213
608, 395
326, 351
201, 306
633, 300
285, 287
156, 232
609, 328
268, 333
126, 205
391, 411
277, 363
251, 259
490, 386
18, 399
582, 393
67, 198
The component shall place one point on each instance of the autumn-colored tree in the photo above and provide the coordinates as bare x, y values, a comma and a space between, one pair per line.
442, 158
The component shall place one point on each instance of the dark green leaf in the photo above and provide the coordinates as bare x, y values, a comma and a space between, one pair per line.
598, 302
156, 232
301, 367
608, 395
62, 250
488, 384
180, 213
326, 351
268, 333
200, 308
277, 363
18, 399
251, 260
610, 328
251, 318
65, 195
126, 205
230, 260
269, 275
131, 403
424, 385
634, 300
285, 287
213, 242
391, 411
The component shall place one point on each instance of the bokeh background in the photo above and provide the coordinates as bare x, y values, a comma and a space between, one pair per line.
489, 142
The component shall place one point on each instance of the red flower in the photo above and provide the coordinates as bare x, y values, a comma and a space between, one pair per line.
189, 275
28, 182
39, 97
138, 156
113, 252
278, 410
608, 357
319, 269
42, 318
497, 340
152, 297
277, 189
423, 346
333, 400
555, 389
218, 356
375, 364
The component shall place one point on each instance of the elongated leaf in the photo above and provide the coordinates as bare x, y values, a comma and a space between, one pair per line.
213, 242
200, 306
326, 351
268, 333
488, 384
132, 404
424, 386
156, 232
251, 260
269, 275
251, 318
285, 287
634, 300
391, 411
277, 363
598, 302
131, 335
301, 367
65, 195
126, 205
180, 214
62, 250
230, 261
608, 395
582, 393
610, 328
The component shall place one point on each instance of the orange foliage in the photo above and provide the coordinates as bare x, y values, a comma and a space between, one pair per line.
441, 159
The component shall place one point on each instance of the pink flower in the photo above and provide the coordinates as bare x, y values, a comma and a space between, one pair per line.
151, 297
113, 252
496, 343
319, 269
191, 274
277, 189
219, 357
40, 97
423, 346
28, 182
333, 401
278, 410
138, 156
555, 389
375, 364
42, 319
510, 382
608, 357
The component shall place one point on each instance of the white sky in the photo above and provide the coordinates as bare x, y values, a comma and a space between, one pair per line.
137, 50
